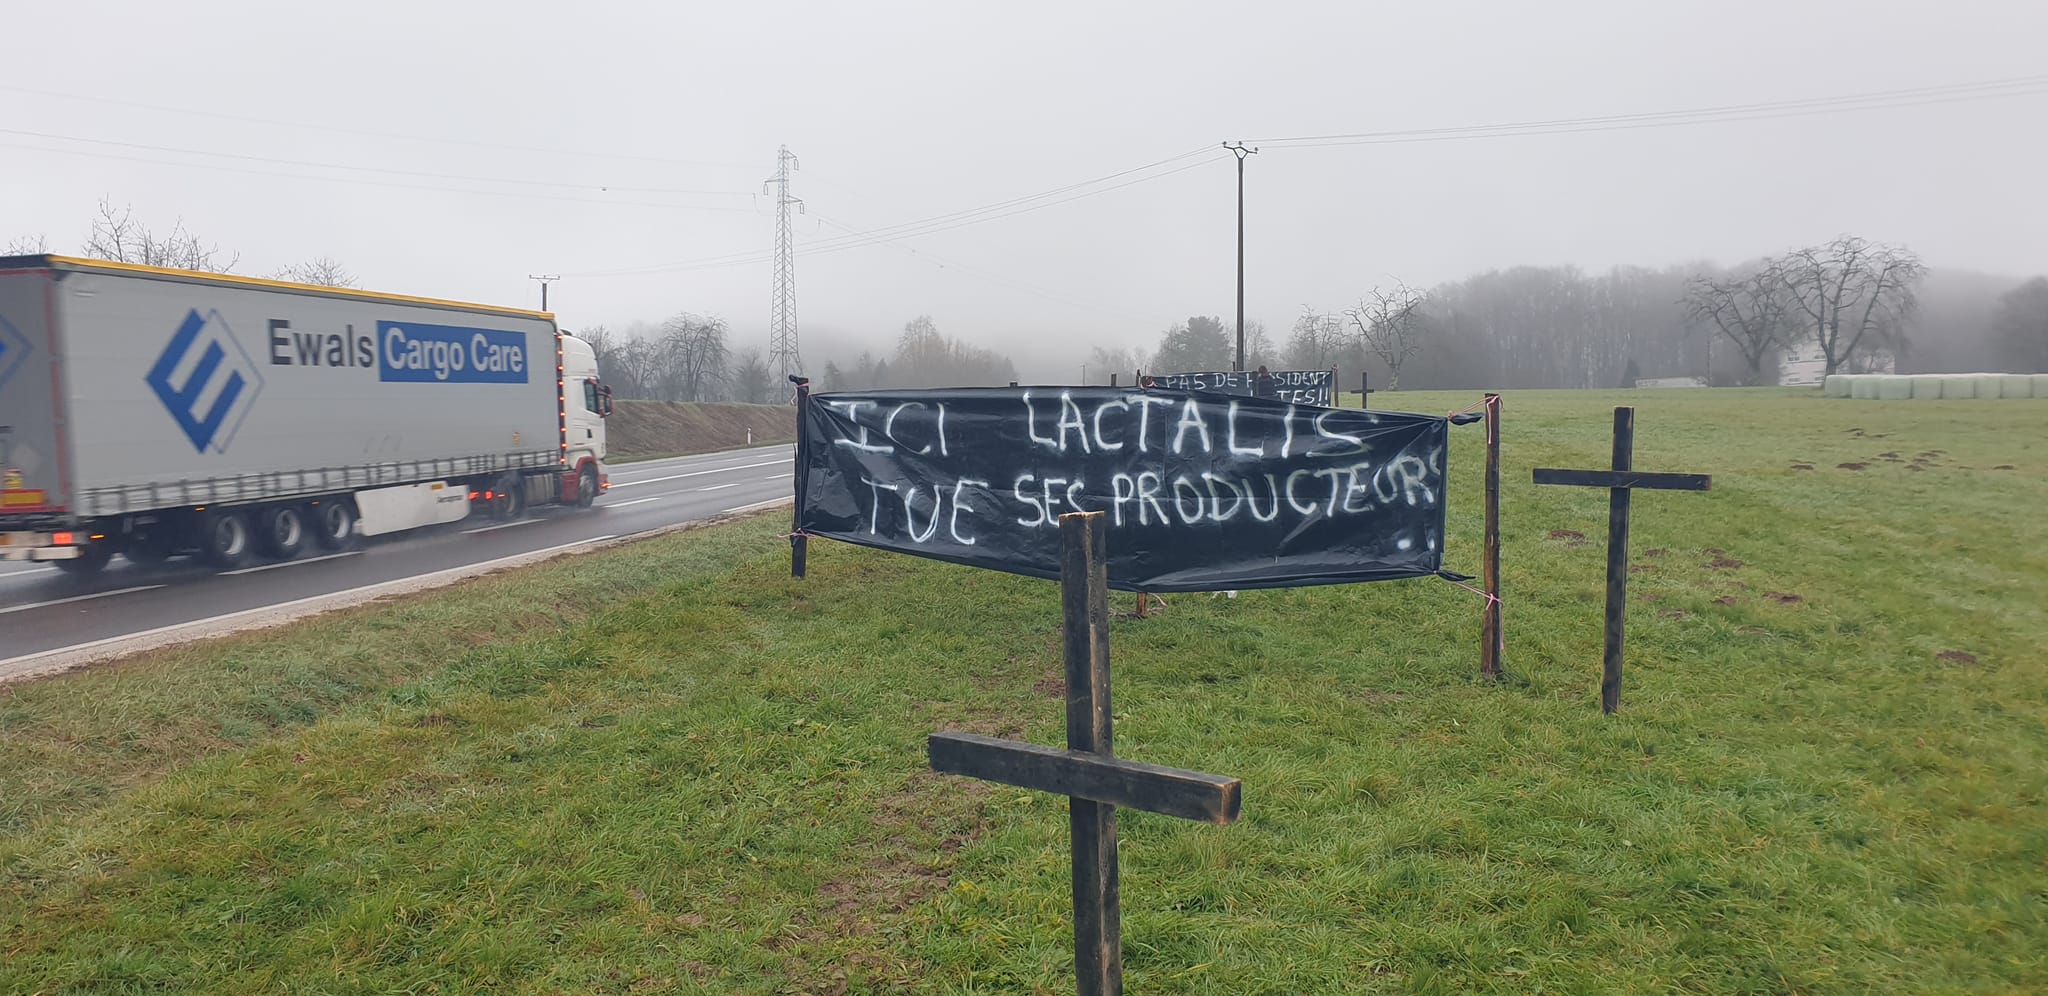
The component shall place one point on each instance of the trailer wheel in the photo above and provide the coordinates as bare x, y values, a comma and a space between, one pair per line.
515, 496
281, 531
334, 524
224, 538
586, 487
91, 560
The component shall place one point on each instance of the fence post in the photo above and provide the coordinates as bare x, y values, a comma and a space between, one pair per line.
1490, 632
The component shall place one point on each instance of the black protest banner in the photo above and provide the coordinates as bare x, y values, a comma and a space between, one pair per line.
1303, 387
1203, 492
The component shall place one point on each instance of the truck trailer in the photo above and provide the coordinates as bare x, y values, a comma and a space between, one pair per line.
153, 413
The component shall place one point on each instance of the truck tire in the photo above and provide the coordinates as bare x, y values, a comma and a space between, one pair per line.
334, 524
225, 539
515, 497
281, 531
89, 562
586, 487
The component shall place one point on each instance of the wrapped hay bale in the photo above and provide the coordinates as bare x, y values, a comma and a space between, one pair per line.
1837, 385
2015, 386
1956, 387
1926, 386
1892, 388
1863, 388
2040, 384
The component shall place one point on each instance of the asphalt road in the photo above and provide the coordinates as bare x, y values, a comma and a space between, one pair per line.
48, 617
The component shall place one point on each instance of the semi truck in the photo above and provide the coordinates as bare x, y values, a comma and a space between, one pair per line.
152, 413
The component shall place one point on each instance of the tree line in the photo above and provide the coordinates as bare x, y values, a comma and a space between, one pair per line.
1852, 304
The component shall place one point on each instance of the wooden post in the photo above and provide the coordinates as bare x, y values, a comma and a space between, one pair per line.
1364, 390
799, 551
1084, 604
1620, 479
1094, 780
1490, 631
1617, 561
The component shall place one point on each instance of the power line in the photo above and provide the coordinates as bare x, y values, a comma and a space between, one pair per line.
929, 226
359, 181
1873, 100
438, 139
270, 160
945, 263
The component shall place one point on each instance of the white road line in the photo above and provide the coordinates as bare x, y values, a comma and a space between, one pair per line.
697, 473
33, 572
501, 525
758, 504
721, 487
77, 598
292, 563
15, 667
777, 477
641, 501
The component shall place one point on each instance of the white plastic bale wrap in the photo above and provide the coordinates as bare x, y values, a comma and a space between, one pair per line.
2040, 384
1891, 388
2015, 386
1837, 385
1926, 386
1863, 388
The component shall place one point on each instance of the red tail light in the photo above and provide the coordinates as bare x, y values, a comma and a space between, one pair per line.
63, 539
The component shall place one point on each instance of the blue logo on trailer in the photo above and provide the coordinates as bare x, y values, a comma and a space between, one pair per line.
449, 354
206, 381
14, 351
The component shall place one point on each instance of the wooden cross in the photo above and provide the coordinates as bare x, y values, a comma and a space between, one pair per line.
1619, 481
1095, 781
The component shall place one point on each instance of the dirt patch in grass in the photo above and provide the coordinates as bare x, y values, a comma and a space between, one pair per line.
1851, 466
1956, 657
1725, 564
1784, 597
1570, 537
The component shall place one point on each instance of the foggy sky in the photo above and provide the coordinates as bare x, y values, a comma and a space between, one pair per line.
902, 111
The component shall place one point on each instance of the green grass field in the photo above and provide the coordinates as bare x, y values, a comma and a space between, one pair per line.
670, 768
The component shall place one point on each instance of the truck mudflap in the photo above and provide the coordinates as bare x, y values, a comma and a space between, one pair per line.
41, 546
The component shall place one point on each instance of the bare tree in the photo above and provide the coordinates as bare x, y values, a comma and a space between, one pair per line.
1317, 339
1850, 290
1122, 360
26, 245
752, 383
321, 271
1392, 325
117, 237
2022, 327
697, 356
1756, 312
1258, 346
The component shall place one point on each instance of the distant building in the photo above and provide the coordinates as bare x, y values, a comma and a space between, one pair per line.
1671, 382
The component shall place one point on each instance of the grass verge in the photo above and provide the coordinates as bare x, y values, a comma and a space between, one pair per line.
670, 768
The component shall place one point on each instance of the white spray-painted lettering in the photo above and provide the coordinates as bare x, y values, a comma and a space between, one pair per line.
889, 427
875, 513
1078, 422
959, 505
1102, 442
852, 409
1191, 416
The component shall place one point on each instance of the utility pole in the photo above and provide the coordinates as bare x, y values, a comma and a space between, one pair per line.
1241, 152
782, 344
545, 279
